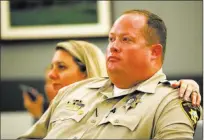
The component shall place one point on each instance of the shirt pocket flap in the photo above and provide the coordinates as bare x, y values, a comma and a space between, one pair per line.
79, 115
130, 122
66, 115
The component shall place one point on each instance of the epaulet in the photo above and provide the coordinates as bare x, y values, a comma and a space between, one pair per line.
167, 82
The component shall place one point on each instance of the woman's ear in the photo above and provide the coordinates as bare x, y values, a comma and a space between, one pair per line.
156, 51
85, 75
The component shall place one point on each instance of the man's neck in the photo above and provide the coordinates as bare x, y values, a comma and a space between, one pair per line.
124, 81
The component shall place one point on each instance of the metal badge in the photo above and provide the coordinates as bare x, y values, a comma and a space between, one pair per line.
132, 102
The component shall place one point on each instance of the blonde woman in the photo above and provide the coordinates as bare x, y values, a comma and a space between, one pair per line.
72, 61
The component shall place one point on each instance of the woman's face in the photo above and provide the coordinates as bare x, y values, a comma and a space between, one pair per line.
64, 71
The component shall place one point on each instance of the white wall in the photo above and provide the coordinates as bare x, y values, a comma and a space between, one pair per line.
14, 124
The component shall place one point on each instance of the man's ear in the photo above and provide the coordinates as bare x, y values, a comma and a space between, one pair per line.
156, 51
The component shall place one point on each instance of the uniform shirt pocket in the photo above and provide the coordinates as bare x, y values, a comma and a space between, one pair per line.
129, 121
65, 114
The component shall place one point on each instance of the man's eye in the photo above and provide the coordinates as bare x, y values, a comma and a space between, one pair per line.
126, 39
111, 39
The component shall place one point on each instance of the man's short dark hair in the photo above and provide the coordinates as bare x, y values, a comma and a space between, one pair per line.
156, 30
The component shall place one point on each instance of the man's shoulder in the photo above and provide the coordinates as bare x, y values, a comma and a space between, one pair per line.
95, 82
171, 99
165, 93
164, 87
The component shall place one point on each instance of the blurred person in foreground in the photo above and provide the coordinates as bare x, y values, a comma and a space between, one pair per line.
135, 101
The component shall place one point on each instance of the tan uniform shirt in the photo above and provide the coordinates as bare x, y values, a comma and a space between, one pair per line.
88, 110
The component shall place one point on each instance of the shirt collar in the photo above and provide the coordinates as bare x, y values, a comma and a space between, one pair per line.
98, 84
148, 86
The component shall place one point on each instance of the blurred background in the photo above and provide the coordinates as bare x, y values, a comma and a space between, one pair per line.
24, 61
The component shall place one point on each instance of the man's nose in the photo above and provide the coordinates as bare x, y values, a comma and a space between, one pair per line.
115, 47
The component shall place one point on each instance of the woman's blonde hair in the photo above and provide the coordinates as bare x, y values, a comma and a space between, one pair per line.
89, 55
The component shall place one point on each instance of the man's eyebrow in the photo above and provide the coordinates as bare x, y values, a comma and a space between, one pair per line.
126, 34
120, 34
111, 34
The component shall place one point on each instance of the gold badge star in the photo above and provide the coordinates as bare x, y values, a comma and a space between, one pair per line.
194, 115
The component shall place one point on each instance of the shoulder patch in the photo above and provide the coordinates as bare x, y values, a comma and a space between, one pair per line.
193, 113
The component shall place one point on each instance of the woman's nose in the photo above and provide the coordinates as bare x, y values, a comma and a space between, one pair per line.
53, 74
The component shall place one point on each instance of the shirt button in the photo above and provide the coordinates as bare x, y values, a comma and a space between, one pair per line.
104, 97
93, 121
80, 112
116, 121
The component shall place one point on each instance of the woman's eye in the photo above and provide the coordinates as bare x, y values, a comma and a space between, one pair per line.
61, 67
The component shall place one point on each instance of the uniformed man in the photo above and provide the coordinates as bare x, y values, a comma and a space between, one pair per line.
136, 100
